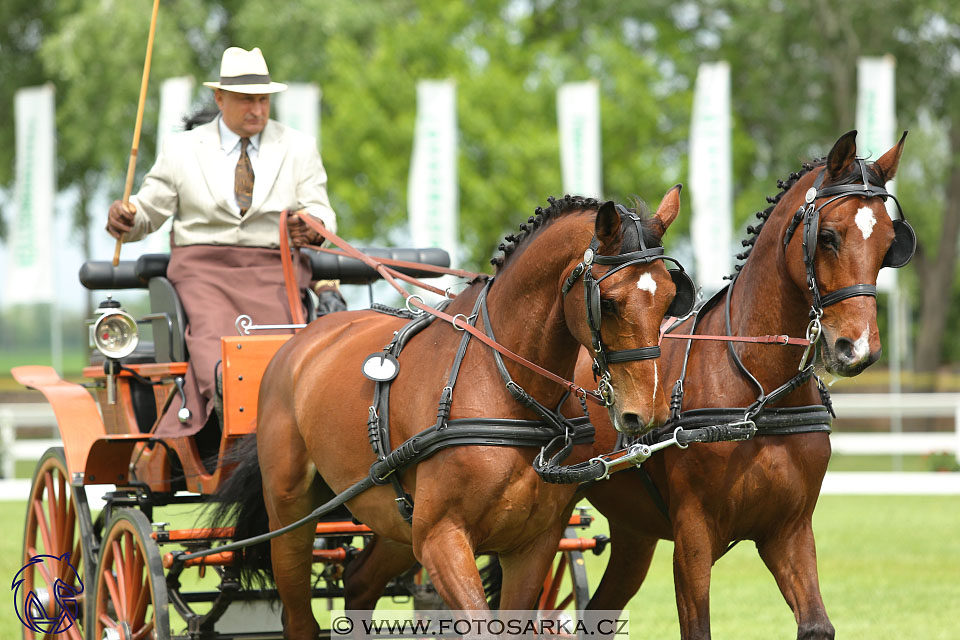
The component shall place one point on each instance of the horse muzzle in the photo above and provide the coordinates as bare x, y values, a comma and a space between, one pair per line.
846, 357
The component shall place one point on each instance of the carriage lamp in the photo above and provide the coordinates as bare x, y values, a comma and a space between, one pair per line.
115, 331
115, 335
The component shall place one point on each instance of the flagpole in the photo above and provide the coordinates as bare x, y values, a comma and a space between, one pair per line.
132, 165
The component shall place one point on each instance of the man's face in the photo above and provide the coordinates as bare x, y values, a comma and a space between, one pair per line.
245, 114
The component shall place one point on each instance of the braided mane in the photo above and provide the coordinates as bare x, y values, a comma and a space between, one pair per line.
541, 216
560, 207
852, 176
753, 232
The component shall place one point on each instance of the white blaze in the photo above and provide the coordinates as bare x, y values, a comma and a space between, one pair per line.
866, 221
647, 283
862, 346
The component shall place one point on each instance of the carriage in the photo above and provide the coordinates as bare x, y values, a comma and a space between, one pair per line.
120, 580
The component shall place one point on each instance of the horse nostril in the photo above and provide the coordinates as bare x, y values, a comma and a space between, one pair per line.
845, 350
631, 422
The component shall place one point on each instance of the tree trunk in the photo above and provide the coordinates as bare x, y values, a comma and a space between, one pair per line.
937, 279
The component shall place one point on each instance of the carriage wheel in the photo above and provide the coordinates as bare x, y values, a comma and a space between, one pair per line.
565, 587
58, 523
131, 593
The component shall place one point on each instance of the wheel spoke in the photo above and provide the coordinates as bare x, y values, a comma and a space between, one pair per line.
144, 632
118, 604
52, 508
120, 571
134, 572
43, 525
140, 610
63, 523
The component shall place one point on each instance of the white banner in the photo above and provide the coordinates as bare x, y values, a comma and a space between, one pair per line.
29, 276
876, 126
432, 191
176, 96
578, 116
711, 193
299, 108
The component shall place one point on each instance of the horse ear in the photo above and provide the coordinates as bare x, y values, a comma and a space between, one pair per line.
669, 208
887, 163
608, 222
842, 155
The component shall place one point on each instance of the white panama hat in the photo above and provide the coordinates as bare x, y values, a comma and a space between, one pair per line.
243, 71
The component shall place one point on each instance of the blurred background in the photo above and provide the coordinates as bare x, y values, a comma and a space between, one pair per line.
507, 102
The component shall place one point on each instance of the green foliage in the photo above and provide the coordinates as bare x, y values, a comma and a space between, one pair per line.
794, 90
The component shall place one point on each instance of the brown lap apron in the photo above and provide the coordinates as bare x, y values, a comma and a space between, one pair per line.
216, 284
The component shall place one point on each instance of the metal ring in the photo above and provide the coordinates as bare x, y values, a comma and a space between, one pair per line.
679, 445
453, 321
606, 392
414, 310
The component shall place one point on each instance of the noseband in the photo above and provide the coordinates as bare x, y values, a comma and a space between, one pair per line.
682, 303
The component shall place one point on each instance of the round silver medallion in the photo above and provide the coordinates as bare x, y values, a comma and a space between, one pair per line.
588, 256
811, 195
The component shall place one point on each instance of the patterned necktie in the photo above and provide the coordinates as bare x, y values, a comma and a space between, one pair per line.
243, 178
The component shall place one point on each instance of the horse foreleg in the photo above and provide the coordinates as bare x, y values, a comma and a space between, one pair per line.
447, 555
791, 556
694, 552
524, 571
366, 576
630, 557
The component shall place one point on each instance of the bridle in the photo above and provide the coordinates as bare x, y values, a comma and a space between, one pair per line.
681, 305
898, 255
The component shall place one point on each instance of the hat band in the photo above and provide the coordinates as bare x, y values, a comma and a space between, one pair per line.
250, 78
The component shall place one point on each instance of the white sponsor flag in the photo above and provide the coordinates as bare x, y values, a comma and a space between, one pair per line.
432, 191
30, 244
299, 108
710, 176
578, 115
876, 122
176, 96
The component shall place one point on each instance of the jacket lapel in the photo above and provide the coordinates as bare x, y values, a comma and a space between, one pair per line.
270, 156
212, 166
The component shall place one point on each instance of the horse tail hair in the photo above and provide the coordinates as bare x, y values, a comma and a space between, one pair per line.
239, 503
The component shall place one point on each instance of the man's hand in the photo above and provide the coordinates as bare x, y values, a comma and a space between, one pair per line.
120, 218
300, 233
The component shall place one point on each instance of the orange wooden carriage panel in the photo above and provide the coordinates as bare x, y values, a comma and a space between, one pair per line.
244, 360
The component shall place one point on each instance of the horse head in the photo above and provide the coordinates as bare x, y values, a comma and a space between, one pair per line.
835, 245
627, 290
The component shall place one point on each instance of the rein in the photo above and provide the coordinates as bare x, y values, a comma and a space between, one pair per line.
415, 301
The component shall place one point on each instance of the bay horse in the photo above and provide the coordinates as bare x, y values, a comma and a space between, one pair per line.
710, 496
314, 405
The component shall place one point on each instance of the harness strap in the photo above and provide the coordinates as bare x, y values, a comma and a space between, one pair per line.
388, 275
289, 273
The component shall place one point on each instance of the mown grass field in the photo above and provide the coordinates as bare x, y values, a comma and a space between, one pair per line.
889, 568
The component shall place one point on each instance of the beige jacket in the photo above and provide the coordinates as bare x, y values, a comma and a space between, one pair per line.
186, 183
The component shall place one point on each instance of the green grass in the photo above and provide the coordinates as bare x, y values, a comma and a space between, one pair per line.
889, 569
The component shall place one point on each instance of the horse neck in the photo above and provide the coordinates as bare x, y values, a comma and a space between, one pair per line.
526, 306
766, 301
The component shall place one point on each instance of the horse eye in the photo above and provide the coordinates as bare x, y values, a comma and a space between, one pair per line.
608, 306
829, 240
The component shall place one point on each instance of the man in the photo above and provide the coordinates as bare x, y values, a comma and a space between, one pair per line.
225, 184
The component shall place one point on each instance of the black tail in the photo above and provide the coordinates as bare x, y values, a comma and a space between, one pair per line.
239, 503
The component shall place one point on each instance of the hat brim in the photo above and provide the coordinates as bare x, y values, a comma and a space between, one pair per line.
273, 87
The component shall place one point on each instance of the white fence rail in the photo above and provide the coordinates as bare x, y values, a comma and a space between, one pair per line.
15, 416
